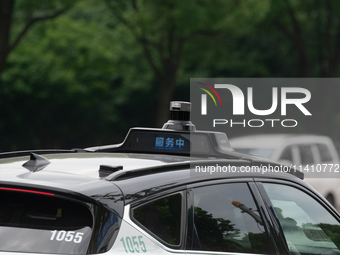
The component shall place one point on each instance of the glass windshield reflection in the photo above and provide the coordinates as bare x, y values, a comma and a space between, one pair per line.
308, 227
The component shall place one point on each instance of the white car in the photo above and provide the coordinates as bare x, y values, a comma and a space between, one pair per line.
315, 155
145, 196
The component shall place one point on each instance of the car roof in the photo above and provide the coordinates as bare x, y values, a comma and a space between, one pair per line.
83, 165
72, 171
79, 172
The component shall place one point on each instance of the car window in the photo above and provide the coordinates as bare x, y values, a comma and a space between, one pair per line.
324, 152
287, 154
162, 217
306, 154
308, 227
227, 219
41, 222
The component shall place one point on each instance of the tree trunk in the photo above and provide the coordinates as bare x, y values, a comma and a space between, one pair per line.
6, 10
166, 90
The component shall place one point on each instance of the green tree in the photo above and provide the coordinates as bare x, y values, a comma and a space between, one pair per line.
165, 31
17, 17
313, 29
57, 86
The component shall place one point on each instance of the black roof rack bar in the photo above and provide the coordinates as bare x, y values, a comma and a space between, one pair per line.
29, 152
127, 174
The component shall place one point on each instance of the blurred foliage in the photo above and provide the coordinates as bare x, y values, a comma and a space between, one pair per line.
84, 77
17, 17
165, 30
56, 85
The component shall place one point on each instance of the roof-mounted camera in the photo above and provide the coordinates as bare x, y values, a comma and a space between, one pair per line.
180, 117
175, 138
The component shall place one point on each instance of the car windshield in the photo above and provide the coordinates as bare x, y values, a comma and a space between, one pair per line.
266, 153
308, 227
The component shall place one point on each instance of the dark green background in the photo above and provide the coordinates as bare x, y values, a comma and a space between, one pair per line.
80, 73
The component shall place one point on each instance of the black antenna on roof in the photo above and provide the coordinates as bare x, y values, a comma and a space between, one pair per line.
36, 163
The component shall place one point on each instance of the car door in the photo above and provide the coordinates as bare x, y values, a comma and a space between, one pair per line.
229, 217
